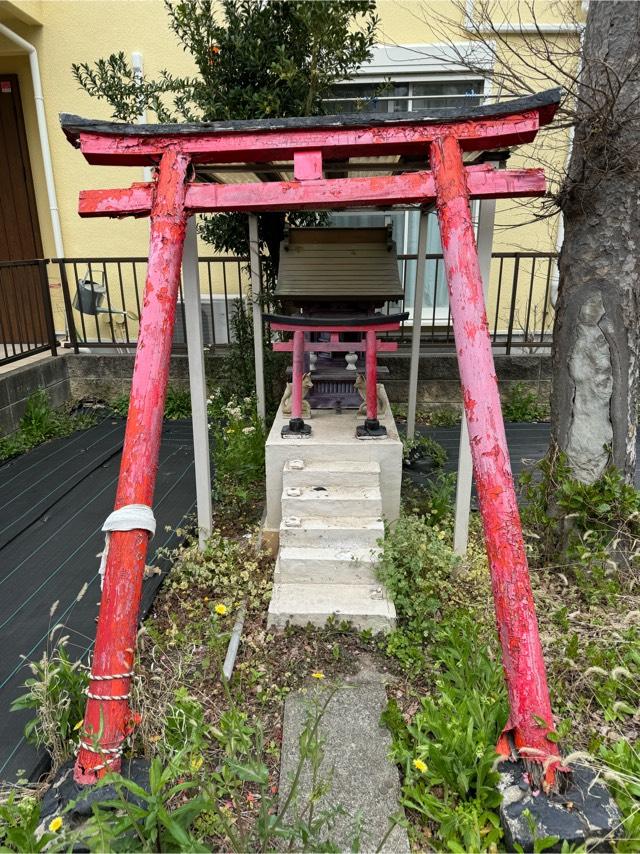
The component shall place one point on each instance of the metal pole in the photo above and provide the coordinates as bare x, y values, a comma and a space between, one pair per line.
108, 721
464, 482
197, 381
530, 709
254, 266
417, 324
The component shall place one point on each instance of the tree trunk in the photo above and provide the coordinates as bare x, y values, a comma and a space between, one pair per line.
597, 325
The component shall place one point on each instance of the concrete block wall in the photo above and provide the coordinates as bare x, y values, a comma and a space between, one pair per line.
108, 375
19, 383
439, 381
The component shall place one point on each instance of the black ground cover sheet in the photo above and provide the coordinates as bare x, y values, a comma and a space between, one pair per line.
53, 502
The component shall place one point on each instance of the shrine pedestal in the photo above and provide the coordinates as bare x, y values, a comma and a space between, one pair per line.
328, 496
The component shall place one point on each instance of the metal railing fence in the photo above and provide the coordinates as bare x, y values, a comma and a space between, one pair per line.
103, 301
26, 316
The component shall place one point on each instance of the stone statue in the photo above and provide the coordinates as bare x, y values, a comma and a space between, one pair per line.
307, 385
361, 386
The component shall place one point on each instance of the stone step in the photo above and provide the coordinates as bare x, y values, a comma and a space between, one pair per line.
349, 532
299, 604
330, 473
327, 566
343, 500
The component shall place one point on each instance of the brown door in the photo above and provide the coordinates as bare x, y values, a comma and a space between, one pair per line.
22, 316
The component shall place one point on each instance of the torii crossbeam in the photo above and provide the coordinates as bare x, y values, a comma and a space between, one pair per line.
439, 142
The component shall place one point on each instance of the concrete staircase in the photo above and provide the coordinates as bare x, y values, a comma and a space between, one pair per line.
331, 524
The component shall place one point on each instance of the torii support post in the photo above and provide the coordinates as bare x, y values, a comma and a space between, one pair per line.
107, 722
515, 609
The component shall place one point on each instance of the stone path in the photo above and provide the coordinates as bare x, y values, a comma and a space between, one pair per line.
364, 783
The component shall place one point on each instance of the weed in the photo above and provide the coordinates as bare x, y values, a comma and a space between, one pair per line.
177, 404
57, 693
593, 529
238, 448
428, 583
38, 424
444, 416
522, 404
432, 499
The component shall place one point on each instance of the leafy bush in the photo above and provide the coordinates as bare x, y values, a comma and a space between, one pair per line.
444, 416
38, 424
423, 448
522, 404
177, 404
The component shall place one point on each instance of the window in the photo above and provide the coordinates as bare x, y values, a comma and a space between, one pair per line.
406, 96
401, 97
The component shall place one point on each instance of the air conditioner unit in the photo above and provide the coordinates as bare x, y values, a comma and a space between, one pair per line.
214, 320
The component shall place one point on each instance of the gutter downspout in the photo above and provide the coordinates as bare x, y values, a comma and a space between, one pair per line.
43, 133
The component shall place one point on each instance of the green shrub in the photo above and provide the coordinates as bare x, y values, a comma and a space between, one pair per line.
521, 404
177, 404
444, 416
38, 424
423, 448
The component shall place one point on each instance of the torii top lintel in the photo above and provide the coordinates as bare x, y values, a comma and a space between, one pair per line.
308, 141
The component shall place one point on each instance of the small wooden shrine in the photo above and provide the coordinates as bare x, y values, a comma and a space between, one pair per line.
332, 284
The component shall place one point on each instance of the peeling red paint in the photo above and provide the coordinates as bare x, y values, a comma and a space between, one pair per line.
120, 602
515, 610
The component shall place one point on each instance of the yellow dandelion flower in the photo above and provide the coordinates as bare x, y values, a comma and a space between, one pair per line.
55, 824
221, 609
318, 674
196, 763
419, 765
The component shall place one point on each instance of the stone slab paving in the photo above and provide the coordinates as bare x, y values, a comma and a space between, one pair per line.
364, 783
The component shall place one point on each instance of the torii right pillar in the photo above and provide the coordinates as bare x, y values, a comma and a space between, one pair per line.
530, 710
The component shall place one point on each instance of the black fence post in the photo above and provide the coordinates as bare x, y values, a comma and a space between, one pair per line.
46, 306
71, 324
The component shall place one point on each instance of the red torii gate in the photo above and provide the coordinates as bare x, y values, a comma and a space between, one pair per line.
309, 142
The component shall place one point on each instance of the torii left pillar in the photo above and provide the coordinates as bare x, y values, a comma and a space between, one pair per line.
108, 715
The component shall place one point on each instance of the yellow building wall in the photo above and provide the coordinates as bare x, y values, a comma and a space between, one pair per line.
84, 30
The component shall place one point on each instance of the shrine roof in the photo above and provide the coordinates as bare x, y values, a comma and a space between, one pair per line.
298, 158
344, 264
545, 102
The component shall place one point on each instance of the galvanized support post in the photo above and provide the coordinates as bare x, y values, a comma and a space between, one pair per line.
417, 324
464, 482
256, 297
108, 721
530, 709
197, 382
